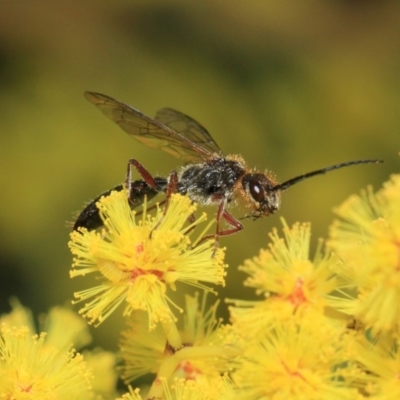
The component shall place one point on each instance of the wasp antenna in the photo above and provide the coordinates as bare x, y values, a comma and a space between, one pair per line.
297, 179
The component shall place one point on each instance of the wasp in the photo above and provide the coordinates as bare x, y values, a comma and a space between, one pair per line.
207, 176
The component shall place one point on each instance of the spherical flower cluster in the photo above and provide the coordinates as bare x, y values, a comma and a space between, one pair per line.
139, 259
366, 238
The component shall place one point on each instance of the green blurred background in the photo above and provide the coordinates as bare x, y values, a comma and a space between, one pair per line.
292, 86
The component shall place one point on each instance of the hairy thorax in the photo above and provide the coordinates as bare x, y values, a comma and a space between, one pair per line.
211, 181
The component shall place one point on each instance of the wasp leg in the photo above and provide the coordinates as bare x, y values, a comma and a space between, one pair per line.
156, 184
171, 188
236, 226
191, 220
149, 187
233, 223
147, 177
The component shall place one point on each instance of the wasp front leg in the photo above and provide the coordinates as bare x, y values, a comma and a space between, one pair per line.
222, 214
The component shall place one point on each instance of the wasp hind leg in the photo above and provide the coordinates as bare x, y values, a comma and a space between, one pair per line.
148, 187
147, 177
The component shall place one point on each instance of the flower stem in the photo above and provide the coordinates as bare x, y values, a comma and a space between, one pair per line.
172, 334
170, 364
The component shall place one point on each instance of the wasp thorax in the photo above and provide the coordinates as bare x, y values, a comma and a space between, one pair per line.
262, 197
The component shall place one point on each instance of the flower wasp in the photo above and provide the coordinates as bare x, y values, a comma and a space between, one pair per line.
207, 177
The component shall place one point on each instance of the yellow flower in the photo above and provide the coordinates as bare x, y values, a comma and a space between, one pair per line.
292, 283
105, 377
216, 389
31, 369
63, 328
380, 367
132, 395
18, 316
367, 239
139, 260
219, 388
141, 350
208, 345
296, 360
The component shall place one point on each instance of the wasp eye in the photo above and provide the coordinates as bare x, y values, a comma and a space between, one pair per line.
256, 191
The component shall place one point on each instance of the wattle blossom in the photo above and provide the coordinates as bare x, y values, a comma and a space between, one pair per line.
140, 259
366, 238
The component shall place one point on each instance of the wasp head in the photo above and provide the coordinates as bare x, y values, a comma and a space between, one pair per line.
260, 194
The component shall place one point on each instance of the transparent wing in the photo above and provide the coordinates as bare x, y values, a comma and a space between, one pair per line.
189, 128
152, 132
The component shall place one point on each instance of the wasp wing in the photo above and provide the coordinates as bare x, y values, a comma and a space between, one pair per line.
189, 128
149, 131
